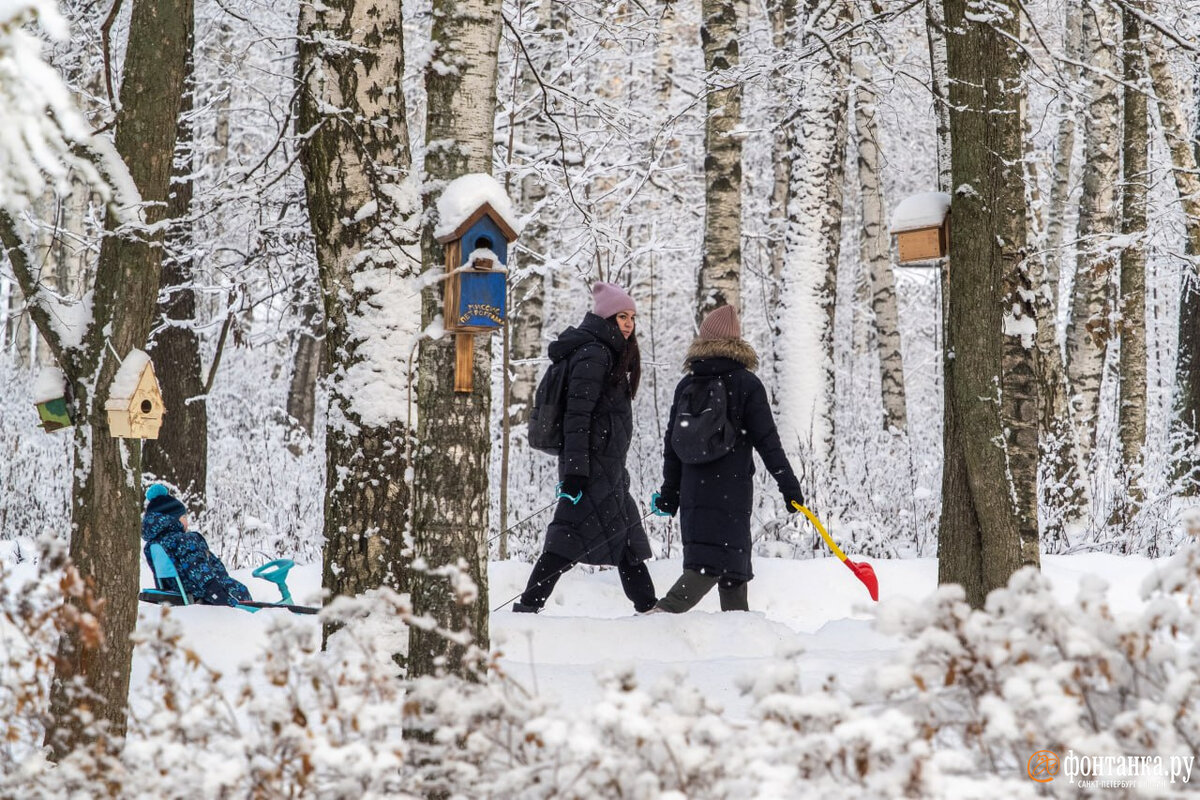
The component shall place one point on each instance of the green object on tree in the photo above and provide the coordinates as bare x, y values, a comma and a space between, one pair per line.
54, 414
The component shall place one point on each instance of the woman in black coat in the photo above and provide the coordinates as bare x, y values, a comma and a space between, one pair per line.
596, 521
715, 498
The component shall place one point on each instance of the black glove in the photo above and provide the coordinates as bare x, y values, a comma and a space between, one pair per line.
573, 485
792, 494
667, 501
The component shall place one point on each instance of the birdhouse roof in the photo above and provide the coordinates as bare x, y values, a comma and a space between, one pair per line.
924, 210
466, 199
135, 377
50, 385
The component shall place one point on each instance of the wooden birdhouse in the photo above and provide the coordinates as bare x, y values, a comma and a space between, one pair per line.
50, 400
922, 227
476, 226
135, 405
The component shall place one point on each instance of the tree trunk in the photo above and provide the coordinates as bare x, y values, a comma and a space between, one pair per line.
1089, 330
306, 371
91, 679
979, 541
453, 436
1064, 494
875, 251
1185, 154
783, 18
363, 210
180, 454
939, 85
805, 368
1132, 307
721, 264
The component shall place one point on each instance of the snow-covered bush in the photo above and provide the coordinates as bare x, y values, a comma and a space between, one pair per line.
972, 696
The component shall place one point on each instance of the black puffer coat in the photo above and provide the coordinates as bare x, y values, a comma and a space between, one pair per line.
604, 528
715, 499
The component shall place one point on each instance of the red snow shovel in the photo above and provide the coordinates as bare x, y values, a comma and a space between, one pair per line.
862, 570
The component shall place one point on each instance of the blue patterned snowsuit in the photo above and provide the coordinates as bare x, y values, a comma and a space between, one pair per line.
203, 575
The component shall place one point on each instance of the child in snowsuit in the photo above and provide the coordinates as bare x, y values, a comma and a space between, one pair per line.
597, 521
203, 575
715, 498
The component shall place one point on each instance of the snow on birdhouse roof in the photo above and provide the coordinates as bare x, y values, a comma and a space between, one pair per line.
463, 197
50, 385
924, 210
125, 382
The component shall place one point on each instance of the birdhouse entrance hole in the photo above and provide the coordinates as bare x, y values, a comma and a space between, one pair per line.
147, 406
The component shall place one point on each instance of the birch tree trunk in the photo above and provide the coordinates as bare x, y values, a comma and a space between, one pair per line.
979, 541
453, 435
1063, 492
180, 453
1135, 158
1089, 330
90, 689
783, 19
306, 371
721, 265
1064, 148
875, 251
1184, 157
363, 208
805, 367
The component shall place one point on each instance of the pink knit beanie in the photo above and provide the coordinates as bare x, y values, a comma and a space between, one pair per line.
608, 299
721, 323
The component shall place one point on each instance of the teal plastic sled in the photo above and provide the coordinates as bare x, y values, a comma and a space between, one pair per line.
168, 589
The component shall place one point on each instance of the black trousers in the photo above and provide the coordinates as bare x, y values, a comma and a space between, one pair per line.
693, 585
635, 580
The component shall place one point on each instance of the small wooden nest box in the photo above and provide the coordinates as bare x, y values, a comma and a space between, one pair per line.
50, 400
135, 405
476, 296
922, 227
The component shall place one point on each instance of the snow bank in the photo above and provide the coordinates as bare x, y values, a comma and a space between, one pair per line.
924, 210
464, 195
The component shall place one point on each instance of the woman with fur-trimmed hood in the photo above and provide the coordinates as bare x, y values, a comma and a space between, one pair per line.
715, 498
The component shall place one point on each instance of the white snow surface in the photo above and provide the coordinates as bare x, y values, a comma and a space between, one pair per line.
814, 607
463, 196
125, 382
50, 384
924, 210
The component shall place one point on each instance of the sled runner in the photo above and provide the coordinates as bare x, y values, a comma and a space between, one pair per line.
168, 589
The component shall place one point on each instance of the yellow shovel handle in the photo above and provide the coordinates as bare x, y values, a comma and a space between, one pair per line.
837, 551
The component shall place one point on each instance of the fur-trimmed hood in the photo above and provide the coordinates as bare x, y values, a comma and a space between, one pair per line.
738, 350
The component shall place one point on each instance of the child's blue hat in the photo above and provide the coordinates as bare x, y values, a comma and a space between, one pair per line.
156, 490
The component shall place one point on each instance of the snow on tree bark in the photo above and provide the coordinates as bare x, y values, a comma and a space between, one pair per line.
875, 249
180, 453
453, 435
720, 276
1089, 330
363, 208
1185, 154
805, 366
979, 540
90, 688
1132, 302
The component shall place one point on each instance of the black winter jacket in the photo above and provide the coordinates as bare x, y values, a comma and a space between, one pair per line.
716, 498
604, 528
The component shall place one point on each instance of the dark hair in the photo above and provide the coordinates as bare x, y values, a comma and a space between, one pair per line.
629, 364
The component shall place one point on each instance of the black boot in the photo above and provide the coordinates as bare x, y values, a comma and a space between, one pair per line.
521, 608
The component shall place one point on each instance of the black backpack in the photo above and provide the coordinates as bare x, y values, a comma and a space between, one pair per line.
704, 429
549, 407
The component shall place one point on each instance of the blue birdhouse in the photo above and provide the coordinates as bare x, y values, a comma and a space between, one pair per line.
476, 262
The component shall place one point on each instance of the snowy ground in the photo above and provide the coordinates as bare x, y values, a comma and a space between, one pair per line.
815, 607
